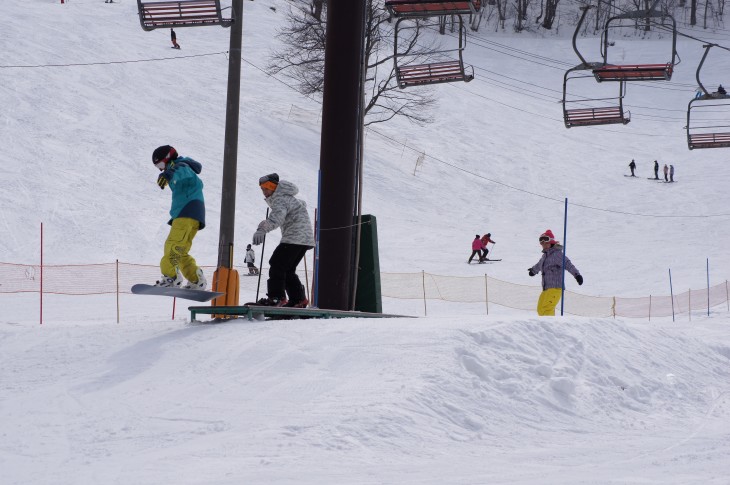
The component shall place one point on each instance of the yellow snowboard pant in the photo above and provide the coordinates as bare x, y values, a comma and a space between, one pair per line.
548, 301
177, 245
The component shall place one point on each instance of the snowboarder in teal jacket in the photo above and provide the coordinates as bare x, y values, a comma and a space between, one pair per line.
187, 217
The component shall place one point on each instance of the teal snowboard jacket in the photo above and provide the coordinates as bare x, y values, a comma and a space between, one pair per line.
187, 190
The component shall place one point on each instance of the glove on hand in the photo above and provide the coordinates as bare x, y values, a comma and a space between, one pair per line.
530, 272
165, 176
579, 279
258, 237
162, 180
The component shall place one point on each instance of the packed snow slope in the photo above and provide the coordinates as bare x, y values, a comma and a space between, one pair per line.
458, 397
426, 401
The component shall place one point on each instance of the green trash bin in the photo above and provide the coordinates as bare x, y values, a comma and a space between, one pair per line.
368, 297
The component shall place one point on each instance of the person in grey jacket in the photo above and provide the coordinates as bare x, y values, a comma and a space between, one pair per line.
551, 266
297, 237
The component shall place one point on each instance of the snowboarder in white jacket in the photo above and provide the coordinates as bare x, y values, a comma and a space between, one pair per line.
250, 260
297, 237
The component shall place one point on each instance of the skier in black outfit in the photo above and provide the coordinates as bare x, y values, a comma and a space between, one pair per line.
173, 38
632, 166
656, 170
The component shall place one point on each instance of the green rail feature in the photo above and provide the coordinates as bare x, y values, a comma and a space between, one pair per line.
253, 311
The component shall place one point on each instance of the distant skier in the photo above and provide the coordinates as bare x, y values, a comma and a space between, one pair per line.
476, 249
551, 266
721, 91
671, 173
173, 38
187, 217
250, 259
666, 173
656, 170
297, 237
485, 240
632, 166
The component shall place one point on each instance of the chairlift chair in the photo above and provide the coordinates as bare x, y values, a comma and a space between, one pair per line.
430, 8
181, 13
708, 126
409, 71
593, 111
636, 72
590, 110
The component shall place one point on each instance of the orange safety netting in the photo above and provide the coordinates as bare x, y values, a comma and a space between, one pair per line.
94, 279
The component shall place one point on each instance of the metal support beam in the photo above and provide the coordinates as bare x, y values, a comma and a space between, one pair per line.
338, 156
230, 150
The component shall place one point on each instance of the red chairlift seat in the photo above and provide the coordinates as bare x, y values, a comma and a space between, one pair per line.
708, 116
634, 72
709, 140
180, 13
593, 110
427, 8
410, 69
438, 72
595, 116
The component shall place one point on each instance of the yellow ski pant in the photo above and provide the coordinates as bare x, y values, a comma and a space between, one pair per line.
177, 245
548, 301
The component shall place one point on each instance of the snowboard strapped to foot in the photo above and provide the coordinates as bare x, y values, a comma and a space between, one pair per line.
195, 295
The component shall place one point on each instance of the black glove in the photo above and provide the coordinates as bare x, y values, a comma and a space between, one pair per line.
579, 279
162, 180
530, 272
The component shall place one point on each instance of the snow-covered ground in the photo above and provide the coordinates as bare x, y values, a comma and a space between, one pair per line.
456, 397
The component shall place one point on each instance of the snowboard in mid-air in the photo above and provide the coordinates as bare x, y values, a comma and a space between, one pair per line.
196, 295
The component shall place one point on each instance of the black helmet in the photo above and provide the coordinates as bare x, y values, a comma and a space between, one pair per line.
165, 153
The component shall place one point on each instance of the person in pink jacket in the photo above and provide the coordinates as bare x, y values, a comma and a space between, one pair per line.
476, 249
486, 239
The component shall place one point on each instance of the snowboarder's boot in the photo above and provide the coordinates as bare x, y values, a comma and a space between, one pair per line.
201, 284
168, 282
303, 303
270, 302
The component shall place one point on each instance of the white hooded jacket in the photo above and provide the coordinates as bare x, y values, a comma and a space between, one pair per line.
290, 214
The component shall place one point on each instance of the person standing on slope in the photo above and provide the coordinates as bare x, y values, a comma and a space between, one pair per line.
173, 38
632, 166
551, 266
297, 237
250, 260
656, 170
187, 217
485, 240
666, 173
476, 249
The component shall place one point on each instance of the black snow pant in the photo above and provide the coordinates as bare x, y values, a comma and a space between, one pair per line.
283, 279
475, 252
